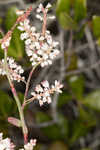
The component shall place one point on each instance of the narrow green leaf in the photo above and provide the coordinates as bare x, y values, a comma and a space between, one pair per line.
66, 21
16, 48
10, 18
63, 6
6, 105
96, 26
80, 9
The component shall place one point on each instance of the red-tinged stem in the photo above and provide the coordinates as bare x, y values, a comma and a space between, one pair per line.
23, 125
25, 138
24, 16
44, 21
27, 85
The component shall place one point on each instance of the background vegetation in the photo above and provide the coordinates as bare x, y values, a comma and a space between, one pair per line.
72, 121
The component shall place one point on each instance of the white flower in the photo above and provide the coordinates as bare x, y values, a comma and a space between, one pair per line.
58, 86
15, 70
30, 145
39, 17
49, 100
33, 29
19, 12
38, 46
20, 28
39, 9
28, 41
24, 36
38, 88
43, 91
51, 17
41, 38
6, 144
5, 43
45, 84
48, 6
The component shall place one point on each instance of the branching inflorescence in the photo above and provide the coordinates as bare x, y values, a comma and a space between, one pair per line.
41, 49
14, 69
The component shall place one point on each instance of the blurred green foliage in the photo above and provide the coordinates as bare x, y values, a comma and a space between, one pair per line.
16, 48
66, 19
66, 129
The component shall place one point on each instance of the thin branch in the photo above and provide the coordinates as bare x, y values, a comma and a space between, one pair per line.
85, 69
44, 124
24, 128
55, 98
27, 84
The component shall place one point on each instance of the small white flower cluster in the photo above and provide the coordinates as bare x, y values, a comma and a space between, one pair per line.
5, 44
30, 145
6, 144
42, 9
39, 47
15, 70
43, 91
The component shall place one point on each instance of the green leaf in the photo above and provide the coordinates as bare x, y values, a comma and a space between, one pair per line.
10, 18
4, 127
98, 41
80, 33
1, 50
92, 100
66, 21
16, 48
63, 13
63, 6
80, 9
96, 26
76, 84
7, 105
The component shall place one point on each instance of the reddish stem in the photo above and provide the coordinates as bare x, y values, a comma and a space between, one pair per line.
25, 138
44, 21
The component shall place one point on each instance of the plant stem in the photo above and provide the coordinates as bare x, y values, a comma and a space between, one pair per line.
24, 128
27, 84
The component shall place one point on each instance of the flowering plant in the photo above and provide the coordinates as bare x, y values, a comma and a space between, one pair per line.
41, 49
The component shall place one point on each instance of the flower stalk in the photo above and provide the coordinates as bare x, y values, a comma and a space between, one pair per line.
21, 114
41, 49
27, 85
